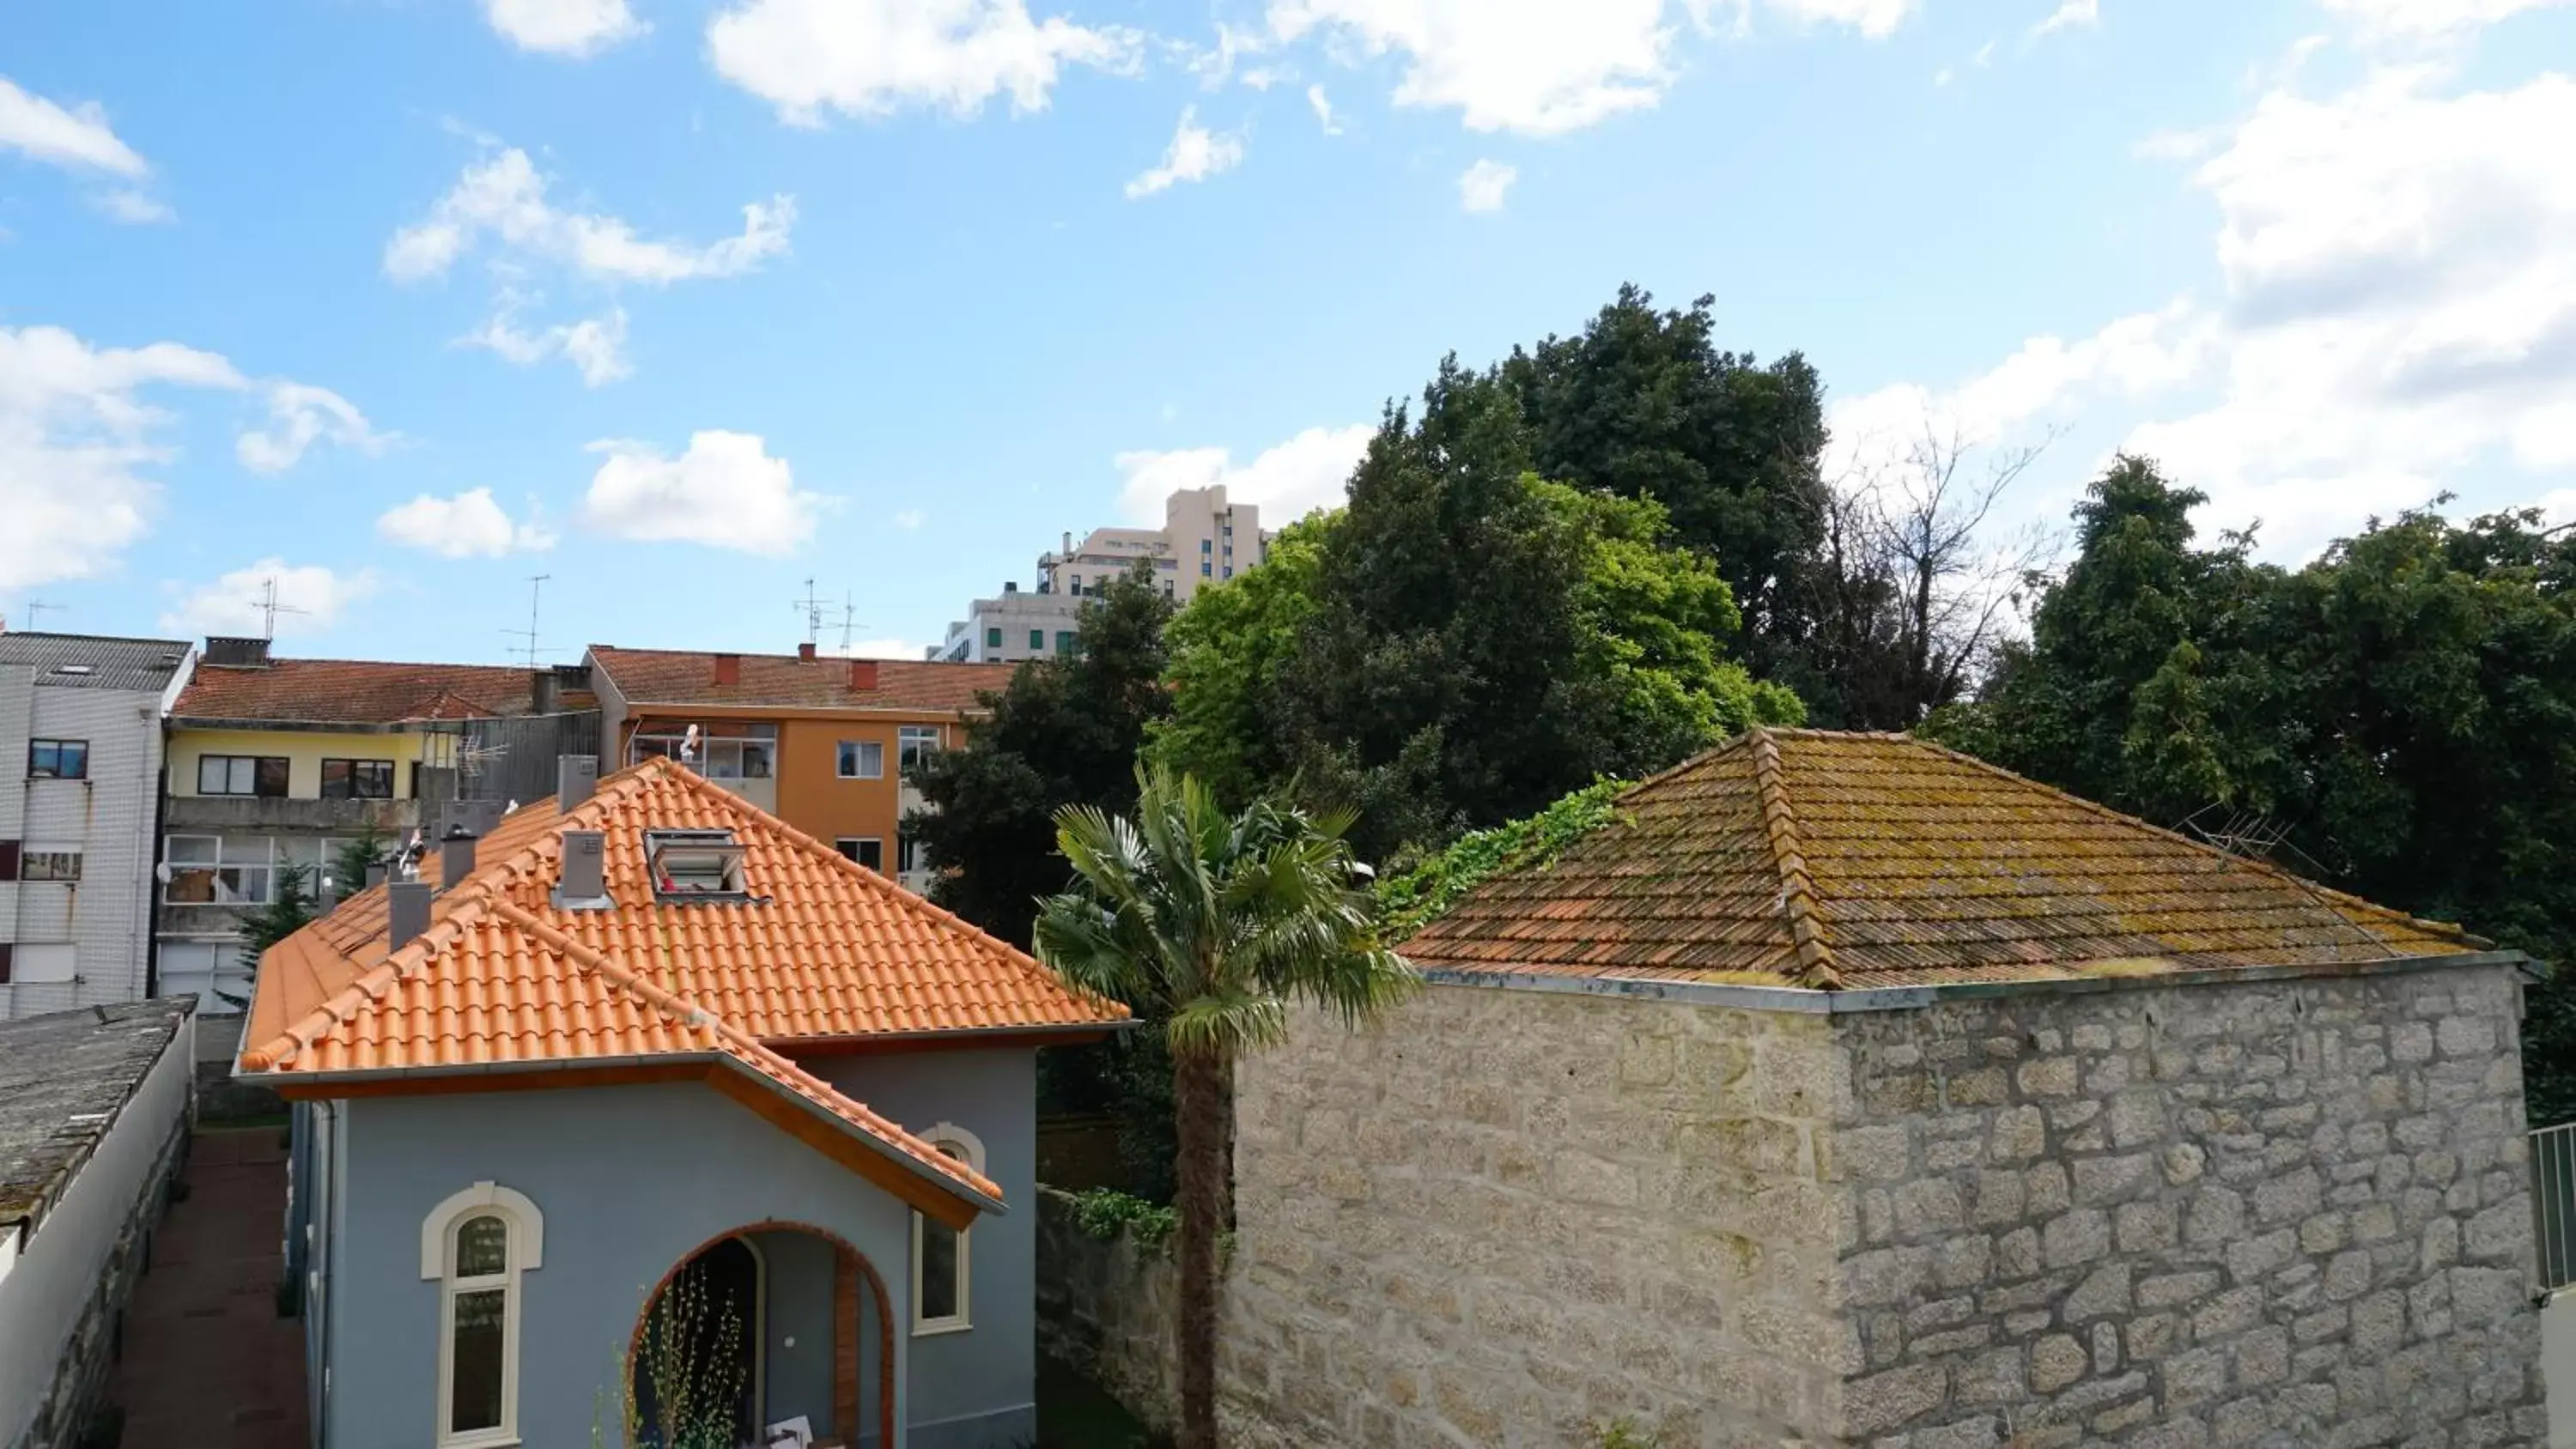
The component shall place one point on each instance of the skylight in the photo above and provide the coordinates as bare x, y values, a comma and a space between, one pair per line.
74, 669
695, 865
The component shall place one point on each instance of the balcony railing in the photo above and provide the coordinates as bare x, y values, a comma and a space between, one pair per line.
2553, 1204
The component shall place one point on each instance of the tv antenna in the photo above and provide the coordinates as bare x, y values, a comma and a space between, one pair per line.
536, 590
811, 606
38, 606
849, 613
269, 608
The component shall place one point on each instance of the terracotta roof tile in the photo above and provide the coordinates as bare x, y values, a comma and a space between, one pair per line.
503, 978
1801, 857
360, 691
784, 681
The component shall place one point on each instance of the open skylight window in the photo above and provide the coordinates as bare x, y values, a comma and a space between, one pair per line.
695, 865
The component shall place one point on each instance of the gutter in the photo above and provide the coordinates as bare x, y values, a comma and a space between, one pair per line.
1803, 1001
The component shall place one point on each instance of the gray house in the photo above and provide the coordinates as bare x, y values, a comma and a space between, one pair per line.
644, 1090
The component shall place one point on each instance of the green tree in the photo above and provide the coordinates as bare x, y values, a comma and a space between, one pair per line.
1065, 731
1227, 649
1213, 924
286, 912
356, 856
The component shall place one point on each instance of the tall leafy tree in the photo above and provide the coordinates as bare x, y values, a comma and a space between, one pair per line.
287, 911
1214, 925
1065, 731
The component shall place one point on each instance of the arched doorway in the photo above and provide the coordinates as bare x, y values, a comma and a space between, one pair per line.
771, 1322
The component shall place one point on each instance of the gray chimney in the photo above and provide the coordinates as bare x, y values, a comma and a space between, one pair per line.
474, 817
545, 691
584, 883
575, 777
407, 910
376, 874
455, 858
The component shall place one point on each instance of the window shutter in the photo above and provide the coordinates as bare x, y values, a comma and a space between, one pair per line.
5, 949
8, 860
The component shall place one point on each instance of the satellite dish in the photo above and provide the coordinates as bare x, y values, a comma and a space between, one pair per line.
161, 872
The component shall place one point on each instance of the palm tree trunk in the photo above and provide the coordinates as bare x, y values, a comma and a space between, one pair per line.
1199, 1100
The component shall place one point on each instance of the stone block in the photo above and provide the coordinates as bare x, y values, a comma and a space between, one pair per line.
1884, 1401
2020, 1134
2055, 1362
2074, 1238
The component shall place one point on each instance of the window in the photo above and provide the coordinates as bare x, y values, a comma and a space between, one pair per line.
993, 637
695, 865
58, 759
1065, 640
207, 870
722, 750
50, 865
910, 857
242, 775
1037, 639
866, 850
915, 744
1229, 532
1207, 545
357, 779
1229, 571
1205, 571
862, 760
476, 1246
940, 1257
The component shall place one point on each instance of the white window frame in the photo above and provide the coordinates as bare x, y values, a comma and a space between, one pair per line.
968, 1148
26, 864
852, 856
251, 852
859, 749
916, 743
525, 1253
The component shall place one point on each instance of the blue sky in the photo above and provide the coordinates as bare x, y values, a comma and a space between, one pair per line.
402, 301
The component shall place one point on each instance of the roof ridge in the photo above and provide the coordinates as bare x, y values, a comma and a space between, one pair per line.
1717, 751
1815, 967
2203, 847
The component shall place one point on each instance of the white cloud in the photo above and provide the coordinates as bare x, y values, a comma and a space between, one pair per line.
2072, 13
1323, 110
310, 599
503, 196
909, 518
2400, 305
1542, 67
564, 27
2430, 20
725, 491
300, 415
595, 345
76, 439
136, 208
2558, 506
1481, 187
1307, 472
469, 525
77, 137
1196, 153
875, 57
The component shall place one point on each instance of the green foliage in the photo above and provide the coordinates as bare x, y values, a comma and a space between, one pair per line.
690, 1363
1227, 649
1623, 1433
288, 911
1105, 1212
1416, 898
2403, 709
356, 856
1065, 732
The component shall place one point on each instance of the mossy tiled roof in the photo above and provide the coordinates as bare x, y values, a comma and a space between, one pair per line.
1808, 858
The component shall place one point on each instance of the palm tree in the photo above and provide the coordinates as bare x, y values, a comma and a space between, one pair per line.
1213, 924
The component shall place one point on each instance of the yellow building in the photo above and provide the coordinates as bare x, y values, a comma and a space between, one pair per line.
274, 763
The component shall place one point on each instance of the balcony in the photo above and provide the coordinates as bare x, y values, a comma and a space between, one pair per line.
257, 814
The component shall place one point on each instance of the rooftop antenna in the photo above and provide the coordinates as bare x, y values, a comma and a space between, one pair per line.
812, 608
536, 589
849, 614
38, 606
269, 608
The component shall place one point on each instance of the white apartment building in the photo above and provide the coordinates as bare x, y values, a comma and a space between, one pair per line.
80, 789
1205, 539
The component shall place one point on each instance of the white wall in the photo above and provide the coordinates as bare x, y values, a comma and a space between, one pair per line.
45, 1290
108, 817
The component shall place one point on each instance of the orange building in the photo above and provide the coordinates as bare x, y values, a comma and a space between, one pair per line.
821, 743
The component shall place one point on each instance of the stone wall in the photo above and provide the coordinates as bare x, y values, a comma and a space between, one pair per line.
1507, 1218
1106, 1308
2285, 1213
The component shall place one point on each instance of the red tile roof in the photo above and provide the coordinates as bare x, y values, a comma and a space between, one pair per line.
784, 681
360, 691
503, 978
1801, 857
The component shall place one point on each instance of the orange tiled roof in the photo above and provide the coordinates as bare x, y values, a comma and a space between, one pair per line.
360, 691
1801, 857
784, 681
502, 978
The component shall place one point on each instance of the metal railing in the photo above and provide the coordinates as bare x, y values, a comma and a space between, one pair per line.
2553, 1204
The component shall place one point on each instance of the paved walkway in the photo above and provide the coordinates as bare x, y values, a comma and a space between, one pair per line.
208, 1363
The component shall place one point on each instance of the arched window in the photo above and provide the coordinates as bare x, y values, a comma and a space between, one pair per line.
476, 1245
941, 1256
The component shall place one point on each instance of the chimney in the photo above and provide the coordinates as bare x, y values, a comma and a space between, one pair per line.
805, 651
575, 777
407, 910
455, 857
376, 874
545, 691
1010, 586
863, 674
728, 669
584, 883
231, 651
